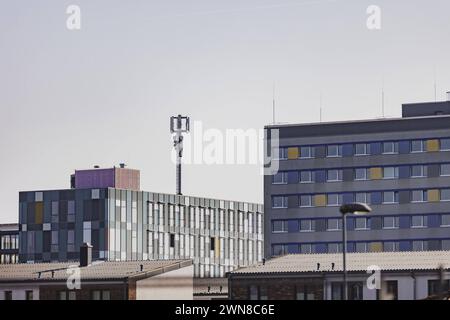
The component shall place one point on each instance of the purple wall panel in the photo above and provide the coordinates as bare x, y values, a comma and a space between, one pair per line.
96, 178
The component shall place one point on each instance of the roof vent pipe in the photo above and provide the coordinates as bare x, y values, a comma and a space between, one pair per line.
85, 255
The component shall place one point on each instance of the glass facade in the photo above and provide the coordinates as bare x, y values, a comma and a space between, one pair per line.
133, 225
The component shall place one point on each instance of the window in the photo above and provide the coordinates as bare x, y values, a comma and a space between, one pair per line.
355, 291
361, 223
305, 292
418, 171
306, 176
445, 194
67, 295
305, 201
334, 199
418, 221
391, 246
334, 151
390, 197
29, 295
280, 153
307, 225
306, 248
362, 197
334, 224
419, 245
445, 144
391, 290
100, 295
172, 240
361, 174
390, 147
55, 211
417, 146
279, 202
279, 178
445, 220
8, 295
279, 249
390, 222
419, 196
279, 226
334, 247
306, 152
436, 287
445, 169
390, 172
254, 292
361, 247
362, 149
334, 175
445, 244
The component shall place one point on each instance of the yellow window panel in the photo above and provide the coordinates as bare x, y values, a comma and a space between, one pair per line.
217, 247
320, 200
433, 195
39, 212
376, 247
293, 153
376, 173
432, 145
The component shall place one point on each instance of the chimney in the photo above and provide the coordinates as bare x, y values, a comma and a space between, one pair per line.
122, 165
96, 166
85, 255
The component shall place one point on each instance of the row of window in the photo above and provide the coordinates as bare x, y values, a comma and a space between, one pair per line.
9, 258
362, 149
358, 223
373, 246
357, 174
8, 295
9, 242
376, 197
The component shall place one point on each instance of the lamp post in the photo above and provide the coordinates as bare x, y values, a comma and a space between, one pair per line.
356, 209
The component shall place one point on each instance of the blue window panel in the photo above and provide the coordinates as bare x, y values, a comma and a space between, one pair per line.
350, 247
292, 177
321, 248
375, 148
433, 221
293, 226
347, 198
293, 248
405, 246
405, 222
320, 176
347, 150
350, 223
403, 147
404, 172
375, 198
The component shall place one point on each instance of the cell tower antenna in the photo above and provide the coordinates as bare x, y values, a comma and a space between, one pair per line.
435, 85
382, 97
178, 126
273, 103
320, 106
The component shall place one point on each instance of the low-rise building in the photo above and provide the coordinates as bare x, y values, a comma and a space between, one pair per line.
101, 280
402, 276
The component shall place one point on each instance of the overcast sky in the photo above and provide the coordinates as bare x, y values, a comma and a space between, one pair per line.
103, 94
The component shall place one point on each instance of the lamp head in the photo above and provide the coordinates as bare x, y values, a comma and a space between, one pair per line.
356, 208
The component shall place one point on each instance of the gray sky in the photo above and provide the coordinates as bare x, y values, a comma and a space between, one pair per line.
103, 94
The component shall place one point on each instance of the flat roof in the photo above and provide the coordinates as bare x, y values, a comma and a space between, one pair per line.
387, 261
98, 270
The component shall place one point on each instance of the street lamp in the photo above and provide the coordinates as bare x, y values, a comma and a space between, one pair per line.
356, 209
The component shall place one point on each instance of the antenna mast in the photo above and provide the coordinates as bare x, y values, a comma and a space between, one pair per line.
273, 103
178, 126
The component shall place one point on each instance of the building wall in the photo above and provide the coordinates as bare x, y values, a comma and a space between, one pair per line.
19, 291
133, 225
173, 285
117, 291
274, 288
432, 132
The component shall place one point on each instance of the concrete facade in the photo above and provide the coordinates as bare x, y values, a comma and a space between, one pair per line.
400, 167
